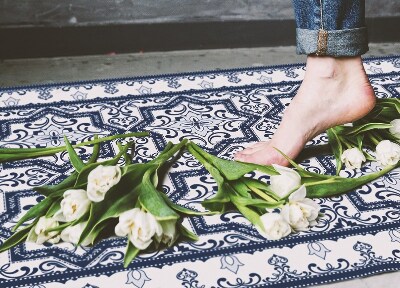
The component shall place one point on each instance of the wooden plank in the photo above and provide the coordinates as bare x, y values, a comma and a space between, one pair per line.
60, 13
100, 12
129, 38
70, 69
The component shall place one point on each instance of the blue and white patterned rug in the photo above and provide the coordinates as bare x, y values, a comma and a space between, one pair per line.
223, 111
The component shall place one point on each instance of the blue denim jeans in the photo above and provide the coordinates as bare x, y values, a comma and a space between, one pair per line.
331, 27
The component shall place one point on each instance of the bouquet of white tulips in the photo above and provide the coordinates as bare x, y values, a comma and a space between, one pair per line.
100, 197
278, 208
379, 131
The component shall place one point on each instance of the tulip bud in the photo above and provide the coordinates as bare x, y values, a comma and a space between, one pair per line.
395, 130
71, 234
100, 180
38, 233
285, 182
275, 226
300, 212
139, 226
353, 158
387, 153
73, 206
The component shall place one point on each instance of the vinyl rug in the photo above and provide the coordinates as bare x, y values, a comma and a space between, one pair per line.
223, 111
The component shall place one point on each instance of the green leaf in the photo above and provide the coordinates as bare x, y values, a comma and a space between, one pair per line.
66, 183
73, 157
340, 185
366, 127
61, 227
96, 151
182, 209
389, 102
127, 158
101, 229
42, 207
219, 201
187, 234
215, 173
168, 152
215, 206
151, 200
255, 183
232, 170
337, 148
53, 208
117, 200
67, 224
11, 154
359, 140
36, 211
302, 172
16, 238
368, 156
130, 253
241, 188
163, 152
388, 136
259, 203
83, 175
248, 213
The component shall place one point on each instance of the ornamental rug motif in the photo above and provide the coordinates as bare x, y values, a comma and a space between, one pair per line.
223, 111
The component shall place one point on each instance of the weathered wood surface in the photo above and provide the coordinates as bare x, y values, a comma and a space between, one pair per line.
51, 13
69, 69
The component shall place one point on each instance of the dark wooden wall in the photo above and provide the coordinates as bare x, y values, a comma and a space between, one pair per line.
100, 12
78, 27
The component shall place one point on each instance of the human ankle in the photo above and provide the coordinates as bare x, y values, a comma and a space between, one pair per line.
332, 67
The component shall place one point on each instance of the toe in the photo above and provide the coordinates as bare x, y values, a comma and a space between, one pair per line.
255, 158
265, 156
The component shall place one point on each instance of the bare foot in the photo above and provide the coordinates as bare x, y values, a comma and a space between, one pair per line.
334, 91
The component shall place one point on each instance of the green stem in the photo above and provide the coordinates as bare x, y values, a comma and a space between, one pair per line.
94, 141
377, 136
199, 157
340, 185
373, 139
263, 195
346, 143
11, 154
312, 151
164, 156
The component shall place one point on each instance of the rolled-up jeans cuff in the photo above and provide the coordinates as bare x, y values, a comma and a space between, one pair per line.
337, 43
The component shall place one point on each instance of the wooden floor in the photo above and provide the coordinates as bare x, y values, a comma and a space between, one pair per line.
67, 69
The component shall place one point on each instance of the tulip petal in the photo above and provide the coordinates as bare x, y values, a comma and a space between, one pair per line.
299, 194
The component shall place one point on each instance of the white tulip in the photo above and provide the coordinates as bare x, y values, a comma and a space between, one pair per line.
387, 153
169, 234
71, 234
300, 212
274, 226
38, 233
73, 206
139, 226
100, 180
395, 130
353, 158
285, 182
